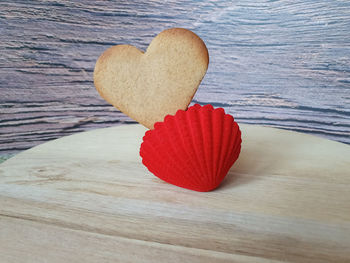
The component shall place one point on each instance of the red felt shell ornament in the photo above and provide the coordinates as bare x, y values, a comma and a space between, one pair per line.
193, 149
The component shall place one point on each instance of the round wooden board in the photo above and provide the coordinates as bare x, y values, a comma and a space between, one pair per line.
88, 198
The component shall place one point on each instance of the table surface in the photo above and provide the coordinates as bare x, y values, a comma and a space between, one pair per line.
279, 63
88, 198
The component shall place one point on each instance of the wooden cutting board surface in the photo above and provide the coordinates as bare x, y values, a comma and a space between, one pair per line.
87, 198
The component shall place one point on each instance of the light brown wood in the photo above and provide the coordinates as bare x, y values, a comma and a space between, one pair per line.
88, 198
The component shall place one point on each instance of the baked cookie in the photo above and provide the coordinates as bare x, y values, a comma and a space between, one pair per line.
148, 86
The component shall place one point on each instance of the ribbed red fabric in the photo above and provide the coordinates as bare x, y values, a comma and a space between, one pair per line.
193, 149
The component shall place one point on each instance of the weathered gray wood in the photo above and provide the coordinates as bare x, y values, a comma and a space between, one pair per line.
278, 63
88, 198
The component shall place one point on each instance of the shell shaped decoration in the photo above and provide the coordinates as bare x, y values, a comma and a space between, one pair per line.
193, 149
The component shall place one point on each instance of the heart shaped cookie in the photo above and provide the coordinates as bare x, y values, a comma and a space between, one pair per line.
148, 86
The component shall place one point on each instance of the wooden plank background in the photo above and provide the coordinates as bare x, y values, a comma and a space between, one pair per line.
88, 198
278, 63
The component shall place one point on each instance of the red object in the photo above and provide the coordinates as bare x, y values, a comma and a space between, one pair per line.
193, 149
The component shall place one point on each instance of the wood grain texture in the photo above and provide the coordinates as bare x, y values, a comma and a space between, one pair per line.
278, 63
57, 244
285, 200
